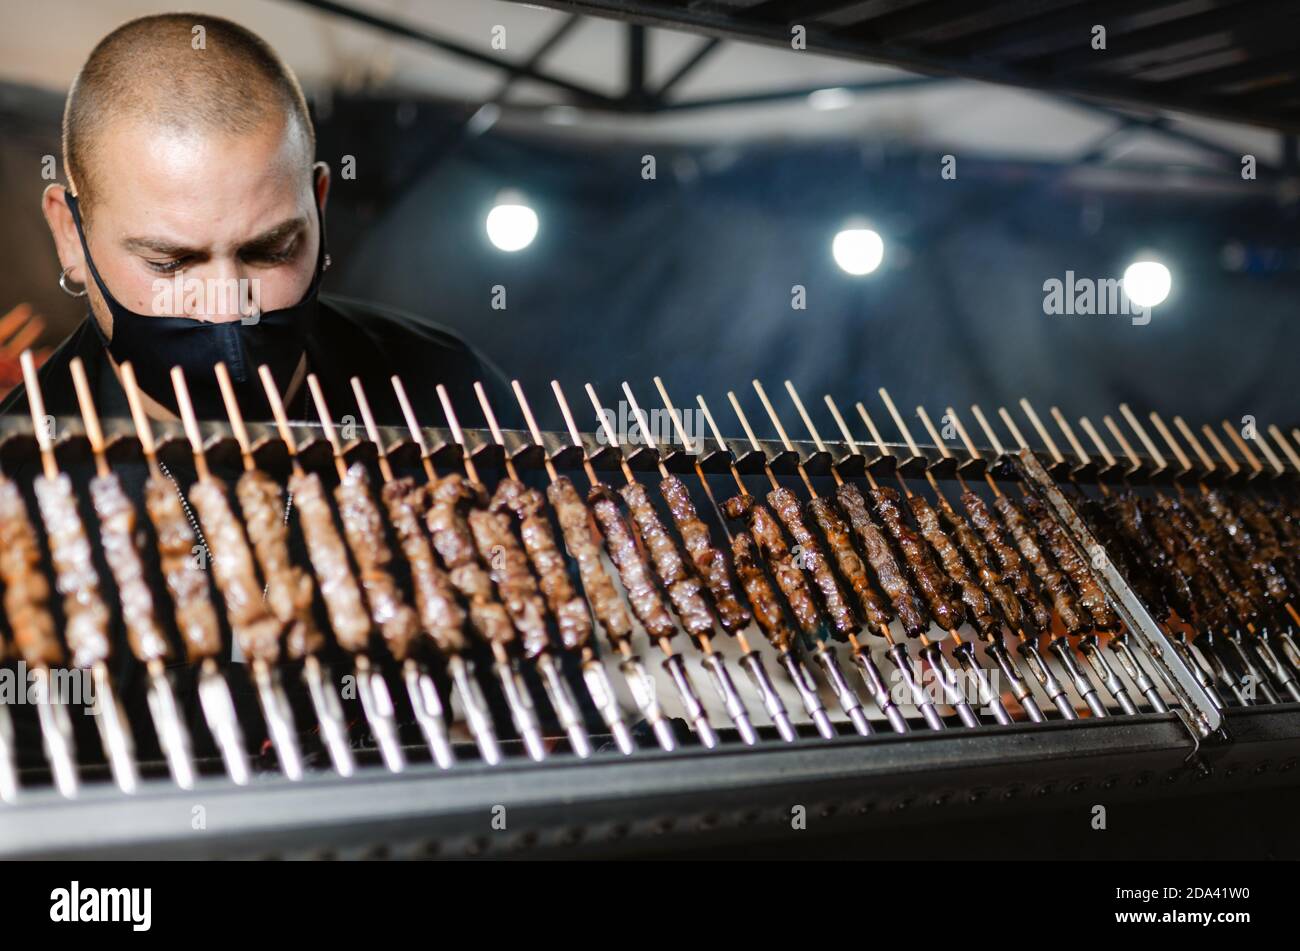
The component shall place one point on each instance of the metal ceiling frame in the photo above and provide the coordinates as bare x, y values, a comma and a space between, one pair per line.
910, 17
1001, 56
637, 98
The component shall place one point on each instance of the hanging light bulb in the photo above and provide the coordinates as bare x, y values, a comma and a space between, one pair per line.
511, 224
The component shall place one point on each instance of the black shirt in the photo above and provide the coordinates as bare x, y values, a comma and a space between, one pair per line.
350, 338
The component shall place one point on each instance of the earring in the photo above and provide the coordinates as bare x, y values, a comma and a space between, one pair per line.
63, 283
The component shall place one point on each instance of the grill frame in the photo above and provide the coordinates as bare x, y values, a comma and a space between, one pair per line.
655, 801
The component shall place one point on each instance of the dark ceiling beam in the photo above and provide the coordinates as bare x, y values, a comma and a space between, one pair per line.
1031, 34
790, 11
1283, 92
1165, 127
729, 22
947, 20
1145, 44
581, 94
543, 50
1252, 69
701, 53
635, 89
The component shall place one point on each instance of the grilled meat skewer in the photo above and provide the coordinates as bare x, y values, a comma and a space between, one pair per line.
145, 637
290, 591
256, 630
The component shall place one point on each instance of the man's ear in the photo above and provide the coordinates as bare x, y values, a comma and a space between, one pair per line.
321, 173
54, 205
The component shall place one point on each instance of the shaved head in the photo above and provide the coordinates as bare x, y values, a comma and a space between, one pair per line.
188, 145
187, 74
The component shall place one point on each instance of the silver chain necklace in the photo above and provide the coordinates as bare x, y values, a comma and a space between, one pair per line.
194, 522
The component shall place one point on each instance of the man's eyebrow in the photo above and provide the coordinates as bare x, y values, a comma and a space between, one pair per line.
158, 246
173, 249
278, 233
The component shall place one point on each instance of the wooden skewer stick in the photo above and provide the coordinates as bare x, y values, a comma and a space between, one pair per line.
512, 687
713, 661
896, 651
427, 704
1042, 672
704, 640
630, 665
329, 713
1147, 442
722, 444
598, 685
413, 425
1280, 438
45, 651
1168, 437
327, 425
753, 440
81, 592
798, 673
557, 689
750, 659
993, 642
1233, 466
1238, 648
1245, 450
89, 416
686, 690
420, 689
372, 688
1060, 645
848, 437
1119, 640
1071, 438
214, 693
143, 428
149, 642
14, 321
244, 620
930, 649
1200, 660
695, 453
1187, 434
25, 337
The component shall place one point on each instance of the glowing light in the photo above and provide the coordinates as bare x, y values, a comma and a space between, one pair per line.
1147, 283
511, 224
826, 100
858, 251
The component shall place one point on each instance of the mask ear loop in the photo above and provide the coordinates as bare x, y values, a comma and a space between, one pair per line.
63, 284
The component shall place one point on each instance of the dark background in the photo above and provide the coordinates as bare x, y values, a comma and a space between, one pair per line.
690, 275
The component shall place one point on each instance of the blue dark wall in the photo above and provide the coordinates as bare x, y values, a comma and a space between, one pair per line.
690, 275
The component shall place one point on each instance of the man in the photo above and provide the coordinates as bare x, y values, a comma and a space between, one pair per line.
194, 224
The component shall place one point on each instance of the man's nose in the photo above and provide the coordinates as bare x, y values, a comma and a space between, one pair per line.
220, 291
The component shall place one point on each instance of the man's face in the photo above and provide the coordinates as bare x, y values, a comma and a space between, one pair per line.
219, 211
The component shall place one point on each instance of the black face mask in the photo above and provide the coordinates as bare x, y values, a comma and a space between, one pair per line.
154, 345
